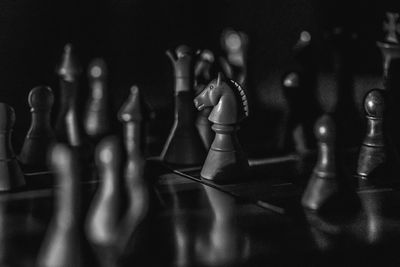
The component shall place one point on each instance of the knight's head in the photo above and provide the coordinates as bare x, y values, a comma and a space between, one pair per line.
228, 99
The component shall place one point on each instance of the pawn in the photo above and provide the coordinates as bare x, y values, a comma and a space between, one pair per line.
62, 243
374, 152
97, 122
11, 175
326, 183
104, 211
40, 135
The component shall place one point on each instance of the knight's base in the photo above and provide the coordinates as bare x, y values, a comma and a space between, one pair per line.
224, 166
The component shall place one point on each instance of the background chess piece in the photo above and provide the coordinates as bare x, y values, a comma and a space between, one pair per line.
327, 186
183, 145
68, 128
202, 73
97, 121
40, 135
376, 153
225, 162
11, 176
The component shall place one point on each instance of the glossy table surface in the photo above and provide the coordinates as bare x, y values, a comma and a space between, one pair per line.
193, 223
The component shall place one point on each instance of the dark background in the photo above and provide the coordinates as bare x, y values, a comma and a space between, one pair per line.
133, 35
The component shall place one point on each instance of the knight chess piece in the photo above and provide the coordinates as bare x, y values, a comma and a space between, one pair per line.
184, 145
40, 135
327, 185
68, 128
225, 162
97, 122
62, 244
234, 65
11, 175
202, 73
375, 152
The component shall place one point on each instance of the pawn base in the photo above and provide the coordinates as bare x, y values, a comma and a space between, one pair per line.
11, 175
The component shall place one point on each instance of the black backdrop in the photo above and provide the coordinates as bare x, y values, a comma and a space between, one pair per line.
133, 35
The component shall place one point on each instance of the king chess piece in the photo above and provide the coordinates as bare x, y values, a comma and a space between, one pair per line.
11, 175
225, 162
202, 74
184, 145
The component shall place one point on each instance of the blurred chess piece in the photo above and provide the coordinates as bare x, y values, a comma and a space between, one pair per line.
40, 135
223, 245
11, 176
390, 50
97, 121
62, 246
202, 73
234, 65
328, 186
68, 129
184, 145
225, 162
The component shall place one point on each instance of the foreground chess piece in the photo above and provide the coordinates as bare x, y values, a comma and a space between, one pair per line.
105, 209
11, 176
67, 128
202, 73
97, 122
225, 162
62, 243
235, 44
375, 152
184, 145
327, 186
40, 135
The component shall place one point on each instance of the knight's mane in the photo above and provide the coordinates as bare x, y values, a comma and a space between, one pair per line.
240, 95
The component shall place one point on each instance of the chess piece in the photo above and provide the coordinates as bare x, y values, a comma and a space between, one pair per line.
202, 73
40, 135
97, 122
104, 211
346, 115
235, 44
68, 128
62, 244
375, 153
225, 161
11, 175
132, 117
327, 186
390, 50
184, 145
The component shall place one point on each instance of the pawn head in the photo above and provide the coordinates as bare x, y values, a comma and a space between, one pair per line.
41, 98
97, 69
61, 158
324, 129
374, 103
7, 117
